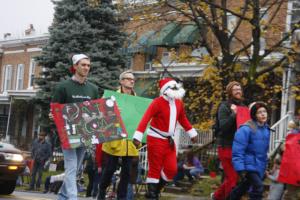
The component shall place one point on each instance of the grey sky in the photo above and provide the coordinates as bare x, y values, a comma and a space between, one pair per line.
16, 15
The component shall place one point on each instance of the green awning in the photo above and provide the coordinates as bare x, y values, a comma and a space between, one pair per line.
188, 34
165, 36
143, 39
140, 45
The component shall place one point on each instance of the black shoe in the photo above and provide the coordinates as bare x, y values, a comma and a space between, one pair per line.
152, 193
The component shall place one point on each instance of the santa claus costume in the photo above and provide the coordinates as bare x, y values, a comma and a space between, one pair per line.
164, 112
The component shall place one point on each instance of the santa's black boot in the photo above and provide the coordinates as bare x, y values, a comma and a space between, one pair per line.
152, 192
161, 185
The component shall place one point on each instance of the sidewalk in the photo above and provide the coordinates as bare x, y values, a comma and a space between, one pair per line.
183, 197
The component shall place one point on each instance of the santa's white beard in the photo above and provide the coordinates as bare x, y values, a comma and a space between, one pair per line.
175, 94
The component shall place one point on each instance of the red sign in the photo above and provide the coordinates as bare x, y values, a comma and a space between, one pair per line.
88, 123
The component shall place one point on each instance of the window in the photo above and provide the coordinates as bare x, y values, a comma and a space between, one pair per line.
295, 13
231, 23
20, 77
263, 21
31, 73
8, 78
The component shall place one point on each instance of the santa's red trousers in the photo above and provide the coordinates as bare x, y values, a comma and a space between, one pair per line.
231, 177
162, 160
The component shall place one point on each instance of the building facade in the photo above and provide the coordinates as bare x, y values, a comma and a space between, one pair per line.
18, 113
160, 35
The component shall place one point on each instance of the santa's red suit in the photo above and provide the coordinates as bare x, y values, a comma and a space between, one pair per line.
164, 112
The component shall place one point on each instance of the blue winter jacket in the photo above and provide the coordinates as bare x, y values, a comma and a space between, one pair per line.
250, 147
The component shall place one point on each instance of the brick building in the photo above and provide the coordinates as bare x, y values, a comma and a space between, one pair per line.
18, 114
150, 47
151, 44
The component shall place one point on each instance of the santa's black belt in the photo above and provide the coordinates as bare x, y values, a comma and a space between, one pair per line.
170, 139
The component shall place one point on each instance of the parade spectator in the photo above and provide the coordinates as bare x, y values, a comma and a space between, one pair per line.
100, 163
192, 166
76, 89
276, 188
91, 169
249, 153
163, 114
227, 122
40, 152
180, 170
292, 190
53, 183
119, 149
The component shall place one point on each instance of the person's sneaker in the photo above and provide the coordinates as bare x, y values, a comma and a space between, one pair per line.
212, 196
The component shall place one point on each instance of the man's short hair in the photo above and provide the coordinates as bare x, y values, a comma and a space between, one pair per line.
123, 74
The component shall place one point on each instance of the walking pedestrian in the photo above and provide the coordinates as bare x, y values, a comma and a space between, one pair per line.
164, 113
76, 89
249, 153
123, 149
227, 117
41, 152
289, 170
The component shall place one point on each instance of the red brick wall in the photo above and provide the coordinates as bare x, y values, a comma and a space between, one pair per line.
19, 58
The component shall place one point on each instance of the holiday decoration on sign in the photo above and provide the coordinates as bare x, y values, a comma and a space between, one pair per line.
88, 123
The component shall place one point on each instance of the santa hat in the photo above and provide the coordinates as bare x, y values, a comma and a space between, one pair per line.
166, 83
75, 59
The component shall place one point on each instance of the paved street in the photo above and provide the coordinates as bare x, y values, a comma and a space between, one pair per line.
32, 196
40, 196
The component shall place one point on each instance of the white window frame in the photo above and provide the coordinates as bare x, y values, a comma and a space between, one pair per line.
166, 57
231, 22
262, 40
31, 73
20, 77
8, 78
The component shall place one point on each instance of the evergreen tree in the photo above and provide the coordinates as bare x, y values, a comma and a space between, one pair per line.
80, 28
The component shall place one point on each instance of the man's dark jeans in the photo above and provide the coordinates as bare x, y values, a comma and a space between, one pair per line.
252, 180
37, 169
110, 168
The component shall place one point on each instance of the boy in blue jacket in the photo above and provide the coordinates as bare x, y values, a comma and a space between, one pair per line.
249, 153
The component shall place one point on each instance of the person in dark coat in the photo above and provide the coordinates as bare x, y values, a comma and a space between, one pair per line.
40, 152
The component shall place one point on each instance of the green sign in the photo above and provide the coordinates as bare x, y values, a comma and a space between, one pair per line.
132, 109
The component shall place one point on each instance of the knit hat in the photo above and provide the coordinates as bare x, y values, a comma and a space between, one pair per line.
254, 107
166, 83
230, 86
75, 59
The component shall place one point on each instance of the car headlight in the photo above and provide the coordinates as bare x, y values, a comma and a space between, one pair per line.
13, 157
